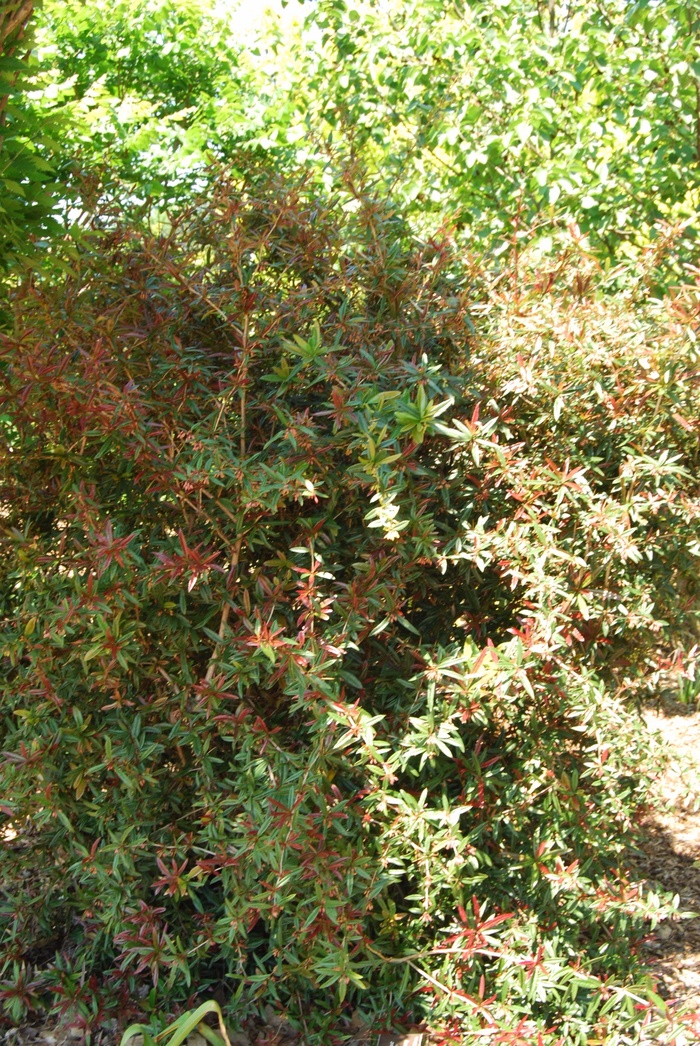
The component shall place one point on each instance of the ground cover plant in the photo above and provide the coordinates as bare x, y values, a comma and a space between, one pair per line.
326, 561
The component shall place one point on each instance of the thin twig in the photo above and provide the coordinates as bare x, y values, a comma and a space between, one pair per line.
455, 950
225, 612
243, 386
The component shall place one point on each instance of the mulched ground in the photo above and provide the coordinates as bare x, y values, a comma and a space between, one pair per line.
671, 857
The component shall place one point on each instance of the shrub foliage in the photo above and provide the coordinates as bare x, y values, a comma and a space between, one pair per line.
315, 612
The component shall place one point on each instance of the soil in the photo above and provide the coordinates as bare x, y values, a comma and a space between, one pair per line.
671, 860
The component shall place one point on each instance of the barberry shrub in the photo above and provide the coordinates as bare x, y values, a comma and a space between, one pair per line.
324, 563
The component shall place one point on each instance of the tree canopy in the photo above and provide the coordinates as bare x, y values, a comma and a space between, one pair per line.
499, 118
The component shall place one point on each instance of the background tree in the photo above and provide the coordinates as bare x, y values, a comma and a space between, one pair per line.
26, 174
500, 118
511, 115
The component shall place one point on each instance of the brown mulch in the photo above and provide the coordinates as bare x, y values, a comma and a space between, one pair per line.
671, 855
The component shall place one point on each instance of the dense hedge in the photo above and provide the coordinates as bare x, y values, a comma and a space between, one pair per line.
316, 607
